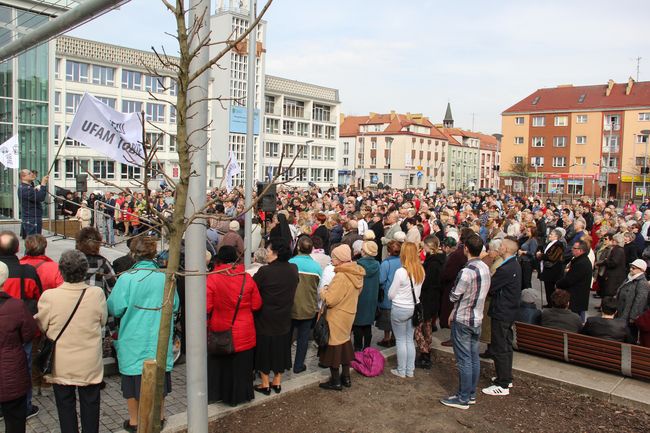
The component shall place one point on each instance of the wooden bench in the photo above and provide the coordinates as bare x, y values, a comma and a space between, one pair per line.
621, 358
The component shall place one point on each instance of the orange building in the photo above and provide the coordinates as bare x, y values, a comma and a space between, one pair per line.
578, 140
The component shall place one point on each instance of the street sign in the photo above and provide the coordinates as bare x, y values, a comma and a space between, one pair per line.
419, 174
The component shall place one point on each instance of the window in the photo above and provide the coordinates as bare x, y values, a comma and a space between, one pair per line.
518, 160
155, 139
610, 162
321, 113
537, 161
330, 132
129, 172
329, 153
74, 167
271, 149
317, 131
103, 75
57, 102
131, 106
316, 174
57, 69
389, 143
301, 174
156, 170
108, 101
388, 178
519, 120
301, 151
581, 139
537, 142
559, 161
580, 160
539, 121
131, 80
612, 142
57, 169
104, 169
346, 161
269, 104
154, 84
575, 186
561, 120
75, 71
373, 143
317, 152
641, 139
640, 161
559, 141
288, 127
346, 148
293, 108
289, 150
556, 186
172, 143
644, 117
303, 129
173, 87
519, 140
328, 175
581, 118
72, 101
155, 112
172, 114
272, 126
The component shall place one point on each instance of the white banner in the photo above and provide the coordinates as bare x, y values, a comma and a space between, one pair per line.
114, 134
9, 152
232, 170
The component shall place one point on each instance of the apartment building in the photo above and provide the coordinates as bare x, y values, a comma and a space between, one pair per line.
399, 150
301, 121
578, 140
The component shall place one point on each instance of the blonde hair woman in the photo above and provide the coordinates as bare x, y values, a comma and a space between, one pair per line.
404, 293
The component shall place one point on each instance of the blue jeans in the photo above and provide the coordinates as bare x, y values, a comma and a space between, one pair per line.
465, 341
110, 233
302, 341
400, 320
28, 352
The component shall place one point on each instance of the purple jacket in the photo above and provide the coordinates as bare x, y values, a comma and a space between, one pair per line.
370, 362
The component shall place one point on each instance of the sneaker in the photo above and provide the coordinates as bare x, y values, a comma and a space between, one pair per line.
455, 402
496, 390
395, 372
472, 400
32, 413
495, 378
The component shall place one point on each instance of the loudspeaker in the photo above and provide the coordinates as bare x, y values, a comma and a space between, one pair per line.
82, 182
268, 202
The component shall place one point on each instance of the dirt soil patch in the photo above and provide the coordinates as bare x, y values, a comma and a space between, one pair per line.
390, 404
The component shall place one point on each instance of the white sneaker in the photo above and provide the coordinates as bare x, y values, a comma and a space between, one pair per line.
397, 373
495, 378
496, 390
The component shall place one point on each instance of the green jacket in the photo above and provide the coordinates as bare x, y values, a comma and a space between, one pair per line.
136, 299
305, 302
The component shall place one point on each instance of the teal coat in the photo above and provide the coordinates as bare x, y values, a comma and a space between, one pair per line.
367, 305
138, 333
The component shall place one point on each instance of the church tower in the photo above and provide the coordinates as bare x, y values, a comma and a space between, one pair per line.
448, 121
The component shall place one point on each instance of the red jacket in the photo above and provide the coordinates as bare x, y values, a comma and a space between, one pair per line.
47, 270
31, 282
222, 293
17, 327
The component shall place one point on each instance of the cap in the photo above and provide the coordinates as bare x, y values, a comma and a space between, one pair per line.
640, 264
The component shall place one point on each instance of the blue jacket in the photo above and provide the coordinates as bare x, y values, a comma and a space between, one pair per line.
367, 304
386, 273
31, 200
135, 299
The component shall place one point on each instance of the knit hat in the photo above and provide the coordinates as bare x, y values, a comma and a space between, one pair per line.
369, 235
370, 248
399, 236
529, 296
641, 264
234, 226
4, 273
342, 253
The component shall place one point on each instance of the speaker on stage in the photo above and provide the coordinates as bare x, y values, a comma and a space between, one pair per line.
268, 202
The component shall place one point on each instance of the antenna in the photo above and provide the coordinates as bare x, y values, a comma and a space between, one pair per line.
473, 115
638, 67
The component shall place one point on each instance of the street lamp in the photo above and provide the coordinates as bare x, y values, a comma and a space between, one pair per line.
646, 134
307, 143
497, 160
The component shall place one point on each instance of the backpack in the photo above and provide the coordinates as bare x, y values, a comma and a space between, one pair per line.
369, 362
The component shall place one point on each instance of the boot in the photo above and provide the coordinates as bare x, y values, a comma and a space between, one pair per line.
424, 361
334, 384
345, 376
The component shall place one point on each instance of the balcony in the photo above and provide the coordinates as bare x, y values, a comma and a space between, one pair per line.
611, 126
611, 149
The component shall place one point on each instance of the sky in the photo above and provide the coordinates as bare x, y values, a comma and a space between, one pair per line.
414, 56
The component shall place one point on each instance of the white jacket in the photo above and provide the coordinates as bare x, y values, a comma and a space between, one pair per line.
400, 290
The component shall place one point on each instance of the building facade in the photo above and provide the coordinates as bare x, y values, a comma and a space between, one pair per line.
301, 120
578, 140
399, 150
463, 161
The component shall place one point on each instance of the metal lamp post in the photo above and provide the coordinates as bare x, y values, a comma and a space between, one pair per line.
497, 160
307, 143
646, 133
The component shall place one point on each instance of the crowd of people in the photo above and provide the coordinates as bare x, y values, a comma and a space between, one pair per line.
357, 258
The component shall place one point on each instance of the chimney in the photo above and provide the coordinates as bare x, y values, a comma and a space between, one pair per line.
630, 83
610, 86
341, 118
408, 115
393, 115
372, 115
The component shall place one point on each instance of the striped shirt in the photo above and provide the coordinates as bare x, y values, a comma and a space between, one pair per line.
469, 293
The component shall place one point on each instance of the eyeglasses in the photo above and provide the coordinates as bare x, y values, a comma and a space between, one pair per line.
576, 248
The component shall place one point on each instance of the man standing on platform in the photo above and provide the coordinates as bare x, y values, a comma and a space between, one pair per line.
31, 203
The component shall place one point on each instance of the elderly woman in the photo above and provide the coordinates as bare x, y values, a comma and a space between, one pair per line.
277, 283
136, 300
78, 366
341, 297
17, 327
84, 215
550, 262
100, 272
259, 260
612, 269
232, 296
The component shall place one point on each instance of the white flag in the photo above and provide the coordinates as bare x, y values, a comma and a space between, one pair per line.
9, 152
114, 134
232, 170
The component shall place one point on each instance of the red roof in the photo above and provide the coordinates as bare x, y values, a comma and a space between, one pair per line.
396, 122
568, 98
487, 142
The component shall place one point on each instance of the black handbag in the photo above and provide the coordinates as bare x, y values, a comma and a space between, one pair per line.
45, 358
221, 342
418, 311
321, 331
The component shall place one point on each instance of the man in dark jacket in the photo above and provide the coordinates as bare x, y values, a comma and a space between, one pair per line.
607, 326
577, 280
505, 290
540, 223
31, 203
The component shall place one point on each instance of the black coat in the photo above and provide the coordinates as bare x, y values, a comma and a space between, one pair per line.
615, 271
277, 283
541, 229
552, 262
505, 290
432, 287
378, 229
324, 233
577, 281
630, 253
